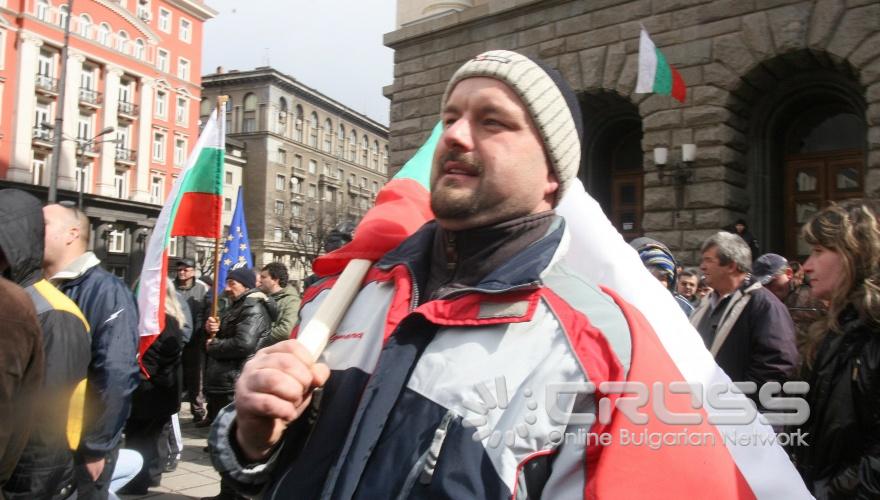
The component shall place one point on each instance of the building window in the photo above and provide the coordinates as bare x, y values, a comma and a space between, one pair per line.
227, 204
296, 185
298, 124
62, 15
313, 191
375, 187
313, 167
164, 20
294, 236
46, 64
162, 60
363, 182
122, 137
179, 151
185, 30
172, 247
279, 183
313, 130
104, 34
85, 25
328, 194
352, 146
157, 190
143, 10
139, 49
297, 162
183, 69
364, 146
249, 120
159, 146
120, 184
326, 170
228, 178
279, 207
182, 110
116, 241
84, 128
38, 169
122, 42
83, 179
161, 103
328, 136
43, 10
296, 210
375, 155
276, 234
340, 174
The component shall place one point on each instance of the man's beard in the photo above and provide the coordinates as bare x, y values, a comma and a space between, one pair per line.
447, 203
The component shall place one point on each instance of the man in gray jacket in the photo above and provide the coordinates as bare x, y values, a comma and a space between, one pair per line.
274, 283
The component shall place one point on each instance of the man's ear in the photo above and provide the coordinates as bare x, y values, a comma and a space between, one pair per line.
789, 273
552, 186
72, 235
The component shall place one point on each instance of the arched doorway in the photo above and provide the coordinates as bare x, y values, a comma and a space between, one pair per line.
807, 144
612, 172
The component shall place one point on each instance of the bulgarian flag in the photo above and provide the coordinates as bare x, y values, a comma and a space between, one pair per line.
743, 461
193, 208
655, 74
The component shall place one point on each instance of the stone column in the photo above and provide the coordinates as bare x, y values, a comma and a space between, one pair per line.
67, 165
25, 104
145, 126
111, 119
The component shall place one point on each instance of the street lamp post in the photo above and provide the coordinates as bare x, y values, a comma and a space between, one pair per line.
59, 113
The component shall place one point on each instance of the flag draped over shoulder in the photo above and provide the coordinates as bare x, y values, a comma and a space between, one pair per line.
655, 74
193, 208
665, 348
237, 252
402, 206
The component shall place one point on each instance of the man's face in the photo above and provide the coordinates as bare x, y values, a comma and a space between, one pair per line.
489, 165
61, 231
779, 284
184, 273
740, 228
687, 286
712, 269
234, 288
266, 284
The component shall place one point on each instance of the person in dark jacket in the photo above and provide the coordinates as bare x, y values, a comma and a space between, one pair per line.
113, 372
21, 359
158, 397
243, 324
740, 229
196, 293
842, 459
746, 328
45, 469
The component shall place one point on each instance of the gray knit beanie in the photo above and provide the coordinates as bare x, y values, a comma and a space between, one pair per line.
552, 105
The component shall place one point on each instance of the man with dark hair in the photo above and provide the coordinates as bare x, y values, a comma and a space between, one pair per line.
688, 282
195, 291
273, 282
113, 374
743, 324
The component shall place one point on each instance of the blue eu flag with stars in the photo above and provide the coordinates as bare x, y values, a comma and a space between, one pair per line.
237, 252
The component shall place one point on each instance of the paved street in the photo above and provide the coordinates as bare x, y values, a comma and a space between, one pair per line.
194, 477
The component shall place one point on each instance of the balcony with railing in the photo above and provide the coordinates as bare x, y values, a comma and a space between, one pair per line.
128, 110
46, 84
125, 155
89, 97
42, 137
329, 180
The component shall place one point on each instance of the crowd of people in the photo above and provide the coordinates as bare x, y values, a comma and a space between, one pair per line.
479, 293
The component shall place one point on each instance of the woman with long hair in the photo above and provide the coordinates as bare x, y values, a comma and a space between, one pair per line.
843, 353
158, 397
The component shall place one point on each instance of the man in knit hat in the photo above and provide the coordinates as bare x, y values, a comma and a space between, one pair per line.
658, 259
436, 380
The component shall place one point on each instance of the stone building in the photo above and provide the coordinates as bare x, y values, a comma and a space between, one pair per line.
783, 102
313, 163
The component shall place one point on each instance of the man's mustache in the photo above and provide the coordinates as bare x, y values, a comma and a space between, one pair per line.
466, 160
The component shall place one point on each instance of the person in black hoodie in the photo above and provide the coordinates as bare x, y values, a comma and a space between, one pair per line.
158, 396
842, 459
46, 467
742, 230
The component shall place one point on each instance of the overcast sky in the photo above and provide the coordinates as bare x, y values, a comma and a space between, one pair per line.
333, 46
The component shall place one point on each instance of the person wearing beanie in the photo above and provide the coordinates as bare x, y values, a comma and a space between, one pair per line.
429, 379
659, 260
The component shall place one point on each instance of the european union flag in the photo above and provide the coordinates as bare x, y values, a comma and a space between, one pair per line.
238, 249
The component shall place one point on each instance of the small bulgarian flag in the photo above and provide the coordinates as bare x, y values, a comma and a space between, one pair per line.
402, 206
193, 208
655, 74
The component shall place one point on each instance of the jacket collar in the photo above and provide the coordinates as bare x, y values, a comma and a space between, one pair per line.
522, 270
76, 268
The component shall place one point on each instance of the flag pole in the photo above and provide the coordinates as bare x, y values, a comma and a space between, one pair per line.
221, 104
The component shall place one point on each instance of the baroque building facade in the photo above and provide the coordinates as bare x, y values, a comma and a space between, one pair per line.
783, 103
313, 163
132, 66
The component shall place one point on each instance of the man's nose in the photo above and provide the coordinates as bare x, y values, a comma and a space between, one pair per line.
459, 134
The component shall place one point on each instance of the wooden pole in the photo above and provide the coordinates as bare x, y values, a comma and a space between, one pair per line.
318, 330
221, 115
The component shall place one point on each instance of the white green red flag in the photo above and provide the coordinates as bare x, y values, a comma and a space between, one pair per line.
655, 73
194, 207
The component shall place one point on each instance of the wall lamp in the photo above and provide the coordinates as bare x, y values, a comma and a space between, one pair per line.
680, 174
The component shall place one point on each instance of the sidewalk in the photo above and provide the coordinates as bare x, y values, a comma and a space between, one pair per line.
194, 477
